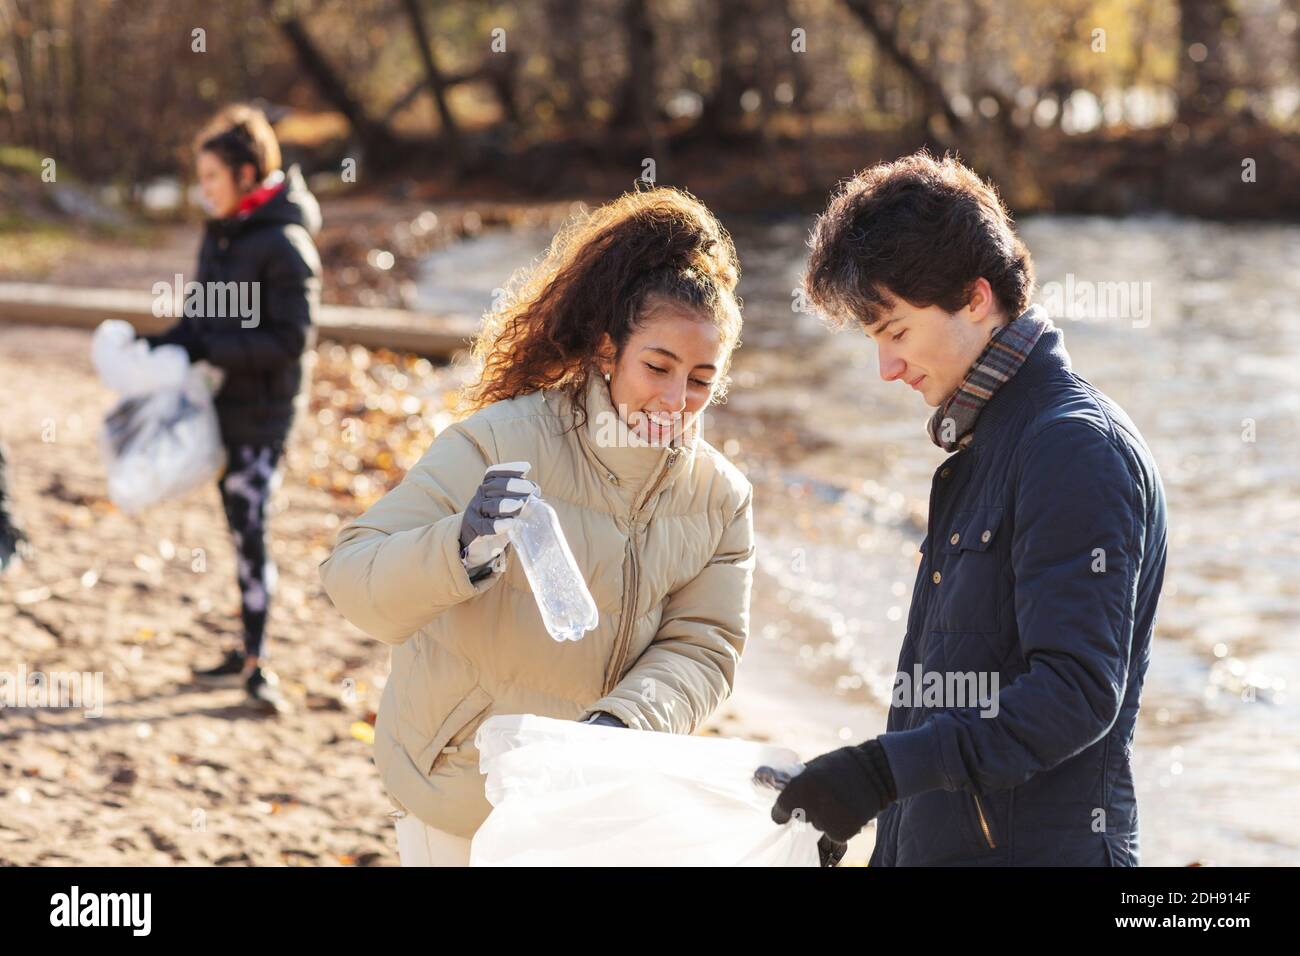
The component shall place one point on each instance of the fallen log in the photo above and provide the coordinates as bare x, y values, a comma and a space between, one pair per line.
426, 334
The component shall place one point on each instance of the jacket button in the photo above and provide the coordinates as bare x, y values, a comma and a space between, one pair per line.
945, 473
955, 538
985, 536
936, 577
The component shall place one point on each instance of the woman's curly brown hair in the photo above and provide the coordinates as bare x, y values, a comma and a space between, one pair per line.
595, 279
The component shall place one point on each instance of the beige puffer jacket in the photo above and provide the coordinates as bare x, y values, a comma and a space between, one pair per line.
664, 537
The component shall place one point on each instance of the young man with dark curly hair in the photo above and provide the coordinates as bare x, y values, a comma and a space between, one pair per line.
1041, 565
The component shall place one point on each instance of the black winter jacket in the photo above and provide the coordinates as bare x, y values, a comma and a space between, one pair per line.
270, 262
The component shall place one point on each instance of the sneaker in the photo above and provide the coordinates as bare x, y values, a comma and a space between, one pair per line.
226, 674
263, 689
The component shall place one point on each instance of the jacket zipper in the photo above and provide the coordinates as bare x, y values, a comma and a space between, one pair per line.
984, 824
630, 595
629, 603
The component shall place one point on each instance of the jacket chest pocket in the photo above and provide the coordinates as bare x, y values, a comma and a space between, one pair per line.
967, 571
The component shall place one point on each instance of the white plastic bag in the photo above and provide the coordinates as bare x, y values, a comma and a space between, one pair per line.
571, 794
129, 366
162, 438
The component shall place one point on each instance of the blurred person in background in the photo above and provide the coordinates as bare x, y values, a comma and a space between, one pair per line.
259, 236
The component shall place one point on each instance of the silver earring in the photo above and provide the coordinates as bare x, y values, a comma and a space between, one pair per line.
607, 376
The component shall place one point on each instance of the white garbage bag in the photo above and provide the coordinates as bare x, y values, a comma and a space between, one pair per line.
162, 438
129, 366
571, 794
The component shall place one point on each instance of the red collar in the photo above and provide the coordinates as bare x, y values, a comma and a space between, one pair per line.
258, 197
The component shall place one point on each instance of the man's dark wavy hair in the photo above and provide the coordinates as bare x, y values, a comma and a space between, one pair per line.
920, 229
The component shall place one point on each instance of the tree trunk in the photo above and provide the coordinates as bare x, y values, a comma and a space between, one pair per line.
567, 57
933, 99
722, 115
1202, 85
437, 85
378, 141
638, 99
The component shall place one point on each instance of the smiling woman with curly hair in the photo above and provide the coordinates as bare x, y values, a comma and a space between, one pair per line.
597, 366
595, 281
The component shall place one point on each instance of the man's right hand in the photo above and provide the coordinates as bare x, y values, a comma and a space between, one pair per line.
489, 514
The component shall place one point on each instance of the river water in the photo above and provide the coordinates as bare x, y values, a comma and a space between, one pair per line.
1194, 328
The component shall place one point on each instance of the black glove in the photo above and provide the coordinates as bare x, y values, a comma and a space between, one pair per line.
840, 792
829, 852
605, 720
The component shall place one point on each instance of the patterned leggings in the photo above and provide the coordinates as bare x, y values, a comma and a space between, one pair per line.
251, 476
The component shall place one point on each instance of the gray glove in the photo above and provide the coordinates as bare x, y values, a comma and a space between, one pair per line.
489, 514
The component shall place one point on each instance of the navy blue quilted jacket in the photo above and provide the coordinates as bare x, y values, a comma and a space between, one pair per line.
1041, 568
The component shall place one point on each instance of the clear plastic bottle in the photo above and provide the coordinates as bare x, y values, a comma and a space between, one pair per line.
567, 607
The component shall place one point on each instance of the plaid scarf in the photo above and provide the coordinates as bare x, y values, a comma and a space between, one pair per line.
952, 426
